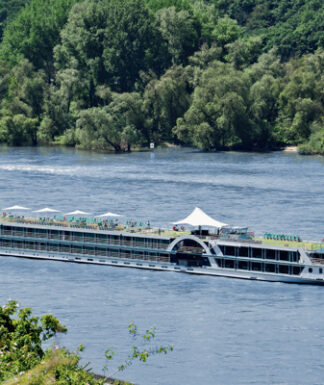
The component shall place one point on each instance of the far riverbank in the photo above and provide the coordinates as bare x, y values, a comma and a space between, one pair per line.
290, 149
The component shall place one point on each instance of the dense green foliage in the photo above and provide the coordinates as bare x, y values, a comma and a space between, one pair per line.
118, 74
21, 339
8, 11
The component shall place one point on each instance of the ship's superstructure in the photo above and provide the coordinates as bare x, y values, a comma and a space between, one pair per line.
230, 254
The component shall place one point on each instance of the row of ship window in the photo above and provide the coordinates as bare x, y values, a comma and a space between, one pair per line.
86, 237
258, 266
98, 251
320, 270
257, 252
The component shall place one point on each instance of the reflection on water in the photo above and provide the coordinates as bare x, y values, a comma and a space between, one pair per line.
225, 331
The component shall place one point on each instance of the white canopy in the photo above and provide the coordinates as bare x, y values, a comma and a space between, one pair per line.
78, 212
46, 210
109, 214
16, 208
199, 218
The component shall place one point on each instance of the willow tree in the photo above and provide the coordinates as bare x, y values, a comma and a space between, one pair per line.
116, 126
218, 115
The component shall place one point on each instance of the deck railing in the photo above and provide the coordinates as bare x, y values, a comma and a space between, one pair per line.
90, 224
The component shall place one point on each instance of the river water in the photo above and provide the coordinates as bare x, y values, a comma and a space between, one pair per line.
224, 331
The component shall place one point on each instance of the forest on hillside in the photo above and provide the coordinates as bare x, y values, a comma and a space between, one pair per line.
119, 74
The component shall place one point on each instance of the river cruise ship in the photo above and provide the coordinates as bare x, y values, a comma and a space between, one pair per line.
227, 252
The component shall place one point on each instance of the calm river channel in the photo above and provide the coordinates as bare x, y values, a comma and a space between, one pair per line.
224, 331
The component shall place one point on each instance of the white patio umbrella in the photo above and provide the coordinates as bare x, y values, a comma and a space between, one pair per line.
16, 208
108, 214
46, 210
199, 218
78, 212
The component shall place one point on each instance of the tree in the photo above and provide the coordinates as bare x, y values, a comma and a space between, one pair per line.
60, 107
218, 115
315, 143
243, 53
18, 129
180, 31
179, 5
22, 105
236, 9
207, 14
35, 32
108, 43
301, 101
165, 100
117, 125
297, 27
8, 11
268, 64
21, 338
129, 40
226, 31
264, 94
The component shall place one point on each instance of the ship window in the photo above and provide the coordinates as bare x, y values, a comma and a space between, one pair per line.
75, 236
296, 270
256, 266
222, 248
283, 269
243, 265
257, 252
205, 261
271, 254
156, 243
138, 242
113, 253
148, 243
64, 248
126, 241
138, 254
244, 251
293, 256
100, 251
163, 244
283, 255
320, 270
269, 268
229, 263
115, 239
310, 270
218, 261
102, 238
229, 250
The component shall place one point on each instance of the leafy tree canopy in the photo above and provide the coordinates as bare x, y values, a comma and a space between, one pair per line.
35, 32
117, 74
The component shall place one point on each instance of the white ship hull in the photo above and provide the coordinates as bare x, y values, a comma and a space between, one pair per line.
158, 266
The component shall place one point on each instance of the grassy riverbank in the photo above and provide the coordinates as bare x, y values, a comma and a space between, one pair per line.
61, 369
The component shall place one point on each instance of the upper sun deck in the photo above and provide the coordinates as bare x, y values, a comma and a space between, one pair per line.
82, 225
143, 229
280, 244
306, 245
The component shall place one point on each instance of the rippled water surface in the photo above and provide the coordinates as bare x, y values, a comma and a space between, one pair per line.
224, 331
